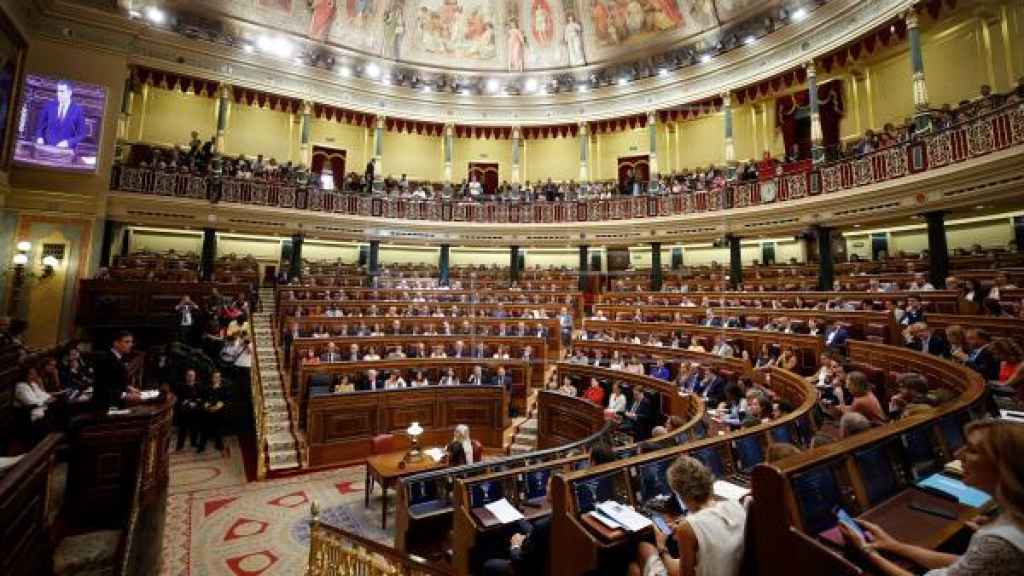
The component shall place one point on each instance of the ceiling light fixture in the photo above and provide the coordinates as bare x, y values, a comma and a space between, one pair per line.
345, 71
385, 79
623, 81
155, 15
372, 70
750, 40
531, 85
426, 88
492, 85
705, 58
276, 46
799, 14
662, 72
583, 88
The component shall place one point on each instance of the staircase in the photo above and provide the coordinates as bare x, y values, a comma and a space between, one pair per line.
525, 439
282, 446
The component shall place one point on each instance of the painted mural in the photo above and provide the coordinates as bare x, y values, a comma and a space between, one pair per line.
510, 35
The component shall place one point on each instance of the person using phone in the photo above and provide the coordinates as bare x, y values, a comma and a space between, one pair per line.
991, 460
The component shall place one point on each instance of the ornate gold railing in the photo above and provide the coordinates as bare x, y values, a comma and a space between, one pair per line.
335, 552
256, 389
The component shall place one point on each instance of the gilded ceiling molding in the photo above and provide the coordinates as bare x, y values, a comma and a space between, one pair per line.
826, 29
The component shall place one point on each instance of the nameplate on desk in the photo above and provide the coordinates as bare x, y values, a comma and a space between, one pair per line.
119, 411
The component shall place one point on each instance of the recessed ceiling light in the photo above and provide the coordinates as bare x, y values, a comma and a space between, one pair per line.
426, 88
372, 70
466, 92
298, 61
662, 72
155, 15
248, 48
492, 85
799, 14
750, 40
856, 225
345, 71
582, 88
623, 81
276, 46
705, 58
135, 14
979, 207
385, 79
531, 85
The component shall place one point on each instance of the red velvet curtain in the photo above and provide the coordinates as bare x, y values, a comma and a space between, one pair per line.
830, 107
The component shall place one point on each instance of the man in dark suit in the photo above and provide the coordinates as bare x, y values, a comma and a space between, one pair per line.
712, 320
924, 340
639, 417
501, 379
835, 335
61, 122
371, 381
112, 387
713, 388
981, 359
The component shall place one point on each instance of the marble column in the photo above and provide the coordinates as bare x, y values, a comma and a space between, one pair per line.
584, 137
817, 138
223, 102
448, 145
209, 254
826, 263
378, 148
124, 119
922, 116
444, 258
938, 249
735, 261
730, 148
305, 154
517, 150
655, 266
652, 137
584, 271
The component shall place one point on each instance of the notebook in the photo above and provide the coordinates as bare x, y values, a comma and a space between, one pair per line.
963, 493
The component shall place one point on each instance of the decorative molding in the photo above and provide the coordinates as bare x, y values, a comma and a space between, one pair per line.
828, 28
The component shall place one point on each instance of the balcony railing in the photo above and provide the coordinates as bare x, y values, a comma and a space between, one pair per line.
998, 130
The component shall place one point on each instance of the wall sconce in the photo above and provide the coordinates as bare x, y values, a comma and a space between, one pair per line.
49, 263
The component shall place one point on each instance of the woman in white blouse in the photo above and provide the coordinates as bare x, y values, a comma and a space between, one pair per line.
394, 381
31, 395
617, 400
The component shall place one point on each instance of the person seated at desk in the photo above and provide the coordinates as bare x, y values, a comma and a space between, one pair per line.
343, 385
371, 381
419, 380
639, 417
709, 538
991, 461
501, 379
911, 396
634, 366
477, 377
723, 349
528, 547
616, 400
480, 351
396, 353
594, 393
371, 354
462, 449
394, 381
438, 352
864, 400
449, 378
660, 371
921, 339
31, 396
331, 354
353, 352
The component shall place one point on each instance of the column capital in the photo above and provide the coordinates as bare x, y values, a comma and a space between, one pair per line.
516, 133
307, 107
449, 129
652, 117
224, 91
726, 99
812, 71
583, 127
910, 16
380, 121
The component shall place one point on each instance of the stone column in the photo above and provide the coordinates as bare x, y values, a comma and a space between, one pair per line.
735, 261
449, 141
223, 102
817, 139
209, 254
305, 154
124, 119
655, 266
517, 150
295, 262
378, 149
826, 264
513, 268
652, 136
938, 250
730, 148
373, 264
922, 117
584, 137
107, 248
443, 264
584, 268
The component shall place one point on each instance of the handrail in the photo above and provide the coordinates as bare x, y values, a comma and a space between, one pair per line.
256, 391
890, 163
334, 551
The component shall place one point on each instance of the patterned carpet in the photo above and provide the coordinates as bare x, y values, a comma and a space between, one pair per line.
219, 525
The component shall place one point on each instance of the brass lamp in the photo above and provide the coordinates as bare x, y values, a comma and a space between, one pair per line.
414, 454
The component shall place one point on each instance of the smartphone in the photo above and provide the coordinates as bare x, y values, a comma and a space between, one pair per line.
846, 520
662, 525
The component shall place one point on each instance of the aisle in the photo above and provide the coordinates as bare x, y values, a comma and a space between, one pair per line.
217, 525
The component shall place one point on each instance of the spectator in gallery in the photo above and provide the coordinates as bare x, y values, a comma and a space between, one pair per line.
62, 121
709, 538
991, 461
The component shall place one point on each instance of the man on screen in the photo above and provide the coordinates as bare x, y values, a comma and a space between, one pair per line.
62, 122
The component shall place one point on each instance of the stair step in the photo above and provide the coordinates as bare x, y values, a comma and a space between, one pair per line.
521, 448
529, 426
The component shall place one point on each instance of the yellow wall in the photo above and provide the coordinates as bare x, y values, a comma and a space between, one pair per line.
466, 150
354, 140
479, 256
990, 231
318, 251
416, 155
409, 254
701, 142
262, 248
555, 158
168, 117
153, 240
557, 257
253, 130
614, 145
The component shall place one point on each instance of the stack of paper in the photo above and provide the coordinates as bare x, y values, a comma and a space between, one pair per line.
729, 491
504, 511
435, 453
954, 468
621, 516
1012, 415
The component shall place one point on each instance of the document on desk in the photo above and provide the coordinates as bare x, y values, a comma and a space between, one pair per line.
962, 492
1011, 415
147, 395
729, 491
504, 511
628, 518
436, 454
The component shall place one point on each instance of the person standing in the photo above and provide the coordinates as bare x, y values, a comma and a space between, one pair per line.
113, 386
188, 410
186, 310
369, 176
215, 400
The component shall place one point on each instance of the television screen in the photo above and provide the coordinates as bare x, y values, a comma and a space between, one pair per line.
59, 124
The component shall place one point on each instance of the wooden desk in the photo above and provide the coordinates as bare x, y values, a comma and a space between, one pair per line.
915, 527
386, 469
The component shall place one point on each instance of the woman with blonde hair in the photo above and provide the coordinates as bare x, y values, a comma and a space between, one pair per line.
991, 460
957, 341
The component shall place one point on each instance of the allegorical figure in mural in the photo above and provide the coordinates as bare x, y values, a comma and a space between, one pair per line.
323, 15
604, 29
666, 14
574, 41
516, 44
543, 23
394, 30
359, 11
